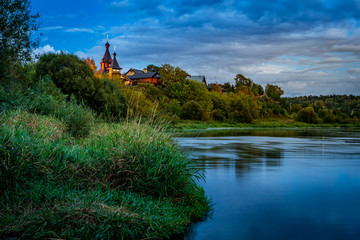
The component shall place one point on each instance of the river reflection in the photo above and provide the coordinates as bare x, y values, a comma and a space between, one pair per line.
278, 184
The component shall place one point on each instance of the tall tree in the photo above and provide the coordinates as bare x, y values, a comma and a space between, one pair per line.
273, 92
227, 87
241, 80
16, 26
170, 74
153, 68
91, 63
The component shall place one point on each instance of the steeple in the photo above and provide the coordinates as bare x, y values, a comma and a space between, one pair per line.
114, 68
106, 60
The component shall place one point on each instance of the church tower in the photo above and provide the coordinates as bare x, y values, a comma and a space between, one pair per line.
106, 60
114, 68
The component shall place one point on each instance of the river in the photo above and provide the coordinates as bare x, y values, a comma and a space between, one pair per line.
278, 183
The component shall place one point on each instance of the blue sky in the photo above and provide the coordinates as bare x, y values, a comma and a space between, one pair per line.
308, 47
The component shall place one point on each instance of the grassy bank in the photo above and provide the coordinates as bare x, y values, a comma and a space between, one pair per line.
257, 123
121, 181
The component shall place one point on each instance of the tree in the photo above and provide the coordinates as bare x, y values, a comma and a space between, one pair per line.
192, 110
153, 68
242, 80
227, 87
170, 74
216, 88
91, 63
273, 92
16, 24
307, 115
75, 77
260, 89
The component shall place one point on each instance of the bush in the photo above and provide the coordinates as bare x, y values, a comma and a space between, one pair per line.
75, 77
175, 107
307, 115
192, 110
46, 99
126, 181
218, 115
239, 111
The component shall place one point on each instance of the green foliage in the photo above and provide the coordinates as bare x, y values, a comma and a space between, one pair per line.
46, 99
218, 101
219, 115
260, 89
239, 111
307, 115
331, 109
227, 87
241, 80
175, 107
75, 77
124, 181
153, 68
17, 25
192, 110
170, 74
216, 88
274, 92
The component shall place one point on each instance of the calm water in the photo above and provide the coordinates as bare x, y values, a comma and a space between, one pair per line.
279, 184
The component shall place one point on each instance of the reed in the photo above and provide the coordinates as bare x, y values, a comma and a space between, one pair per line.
124, 181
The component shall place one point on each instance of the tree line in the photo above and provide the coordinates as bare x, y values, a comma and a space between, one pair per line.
178, 98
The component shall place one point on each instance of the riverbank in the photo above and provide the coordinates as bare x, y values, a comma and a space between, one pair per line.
122, 181
257, 123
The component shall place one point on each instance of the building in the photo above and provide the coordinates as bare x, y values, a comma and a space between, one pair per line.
143, 76
109, 66
199, 78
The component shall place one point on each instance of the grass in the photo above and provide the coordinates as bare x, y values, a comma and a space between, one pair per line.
257, 123
122, 181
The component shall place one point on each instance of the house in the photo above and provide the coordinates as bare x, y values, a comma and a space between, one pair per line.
143, 76
110, 66
199, 78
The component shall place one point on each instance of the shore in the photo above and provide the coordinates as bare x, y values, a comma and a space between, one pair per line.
257, 123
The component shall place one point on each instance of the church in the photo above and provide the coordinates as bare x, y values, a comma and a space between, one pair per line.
110, 67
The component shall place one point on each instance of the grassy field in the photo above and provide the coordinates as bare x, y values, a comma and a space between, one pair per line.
257, 123
122, 181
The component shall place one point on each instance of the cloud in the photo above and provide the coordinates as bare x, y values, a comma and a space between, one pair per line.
354, 71
306, 47
51, 28
81, 30
120, 4
45, 49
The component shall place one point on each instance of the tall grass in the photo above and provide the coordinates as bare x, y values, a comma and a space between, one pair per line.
123, 181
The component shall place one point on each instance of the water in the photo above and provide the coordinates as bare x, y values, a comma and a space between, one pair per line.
278, 184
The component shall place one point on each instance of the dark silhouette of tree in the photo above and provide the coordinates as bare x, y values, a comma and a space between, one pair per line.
241, 80
16, 26
153, 68
227, 87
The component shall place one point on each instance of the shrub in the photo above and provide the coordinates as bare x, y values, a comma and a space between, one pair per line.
46, 99
239, 111
218, 115
307, 115
75, 77
126, 181
175, 107
192, 110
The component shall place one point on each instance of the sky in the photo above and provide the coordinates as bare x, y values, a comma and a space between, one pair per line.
308, 47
